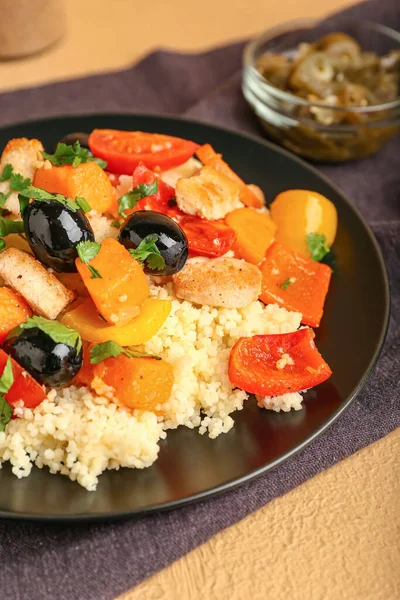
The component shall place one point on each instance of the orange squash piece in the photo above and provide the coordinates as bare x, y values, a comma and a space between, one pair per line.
209, 157
87, 180
13, 311
306, 282
142, 383
122, 287
254, 233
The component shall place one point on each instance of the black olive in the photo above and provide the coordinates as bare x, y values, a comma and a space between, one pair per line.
50, 363
171, 243
53, 230
71, 138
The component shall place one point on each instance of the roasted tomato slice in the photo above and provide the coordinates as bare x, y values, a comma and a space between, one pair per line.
159, 201
206, 238
271, 365
124, 150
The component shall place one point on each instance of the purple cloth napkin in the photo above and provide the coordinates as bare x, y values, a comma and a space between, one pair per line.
98, 562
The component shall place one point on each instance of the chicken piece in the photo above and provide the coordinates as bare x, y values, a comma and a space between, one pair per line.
46, 295
227, 282
209, 194
188, 169
24, 155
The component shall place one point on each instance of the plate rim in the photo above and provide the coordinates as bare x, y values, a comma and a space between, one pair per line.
236, 482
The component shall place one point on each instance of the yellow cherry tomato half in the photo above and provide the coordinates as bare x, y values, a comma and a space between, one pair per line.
296, 213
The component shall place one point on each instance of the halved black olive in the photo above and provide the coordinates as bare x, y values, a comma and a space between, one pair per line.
53, 231
50, 363
171, 243
71, 138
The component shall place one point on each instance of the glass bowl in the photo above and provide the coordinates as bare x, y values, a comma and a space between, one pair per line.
286, 118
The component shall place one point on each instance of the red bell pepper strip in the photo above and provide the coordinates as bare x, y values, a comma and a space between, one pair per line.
271, 365
24, 388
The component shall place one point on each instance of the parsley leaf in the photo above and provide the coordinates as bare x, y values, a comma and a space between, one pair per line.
35, 193
95, 274
7, 378
83, 204
286, 283
5, 413
59, 333
18, 182
2, 244
86, 252
130, 199
317, 246
6, 381
148, 252
74, 155
330, 260
4, 197
111, 349
7, 172
145, 189
7, 226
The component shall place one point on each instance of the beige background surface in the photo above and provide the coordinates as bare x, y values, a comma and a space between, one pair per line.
337, 537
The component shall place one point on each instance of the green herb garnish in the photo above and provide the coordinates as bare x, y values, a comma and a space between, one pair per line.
7, 172
17, 181
74, 155
59, 333
35, 193
286, 283
7, 226
83, 204
86, 252
147, 252
111, 349
317, 246
7, 378
4, 197
129, 200
5, 413
6, 381
116, 224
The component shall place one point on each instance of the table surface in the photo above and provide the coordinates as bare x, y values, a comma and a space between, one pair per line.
337, 536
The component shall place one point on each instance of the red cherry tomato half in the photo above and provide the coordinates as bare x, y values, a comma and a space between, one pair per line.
206, 238
24, 387
254, 363
158, 201
124, 150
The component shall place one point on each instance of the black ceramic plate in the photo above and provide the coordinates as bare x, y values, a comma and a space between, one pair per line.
192, 467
